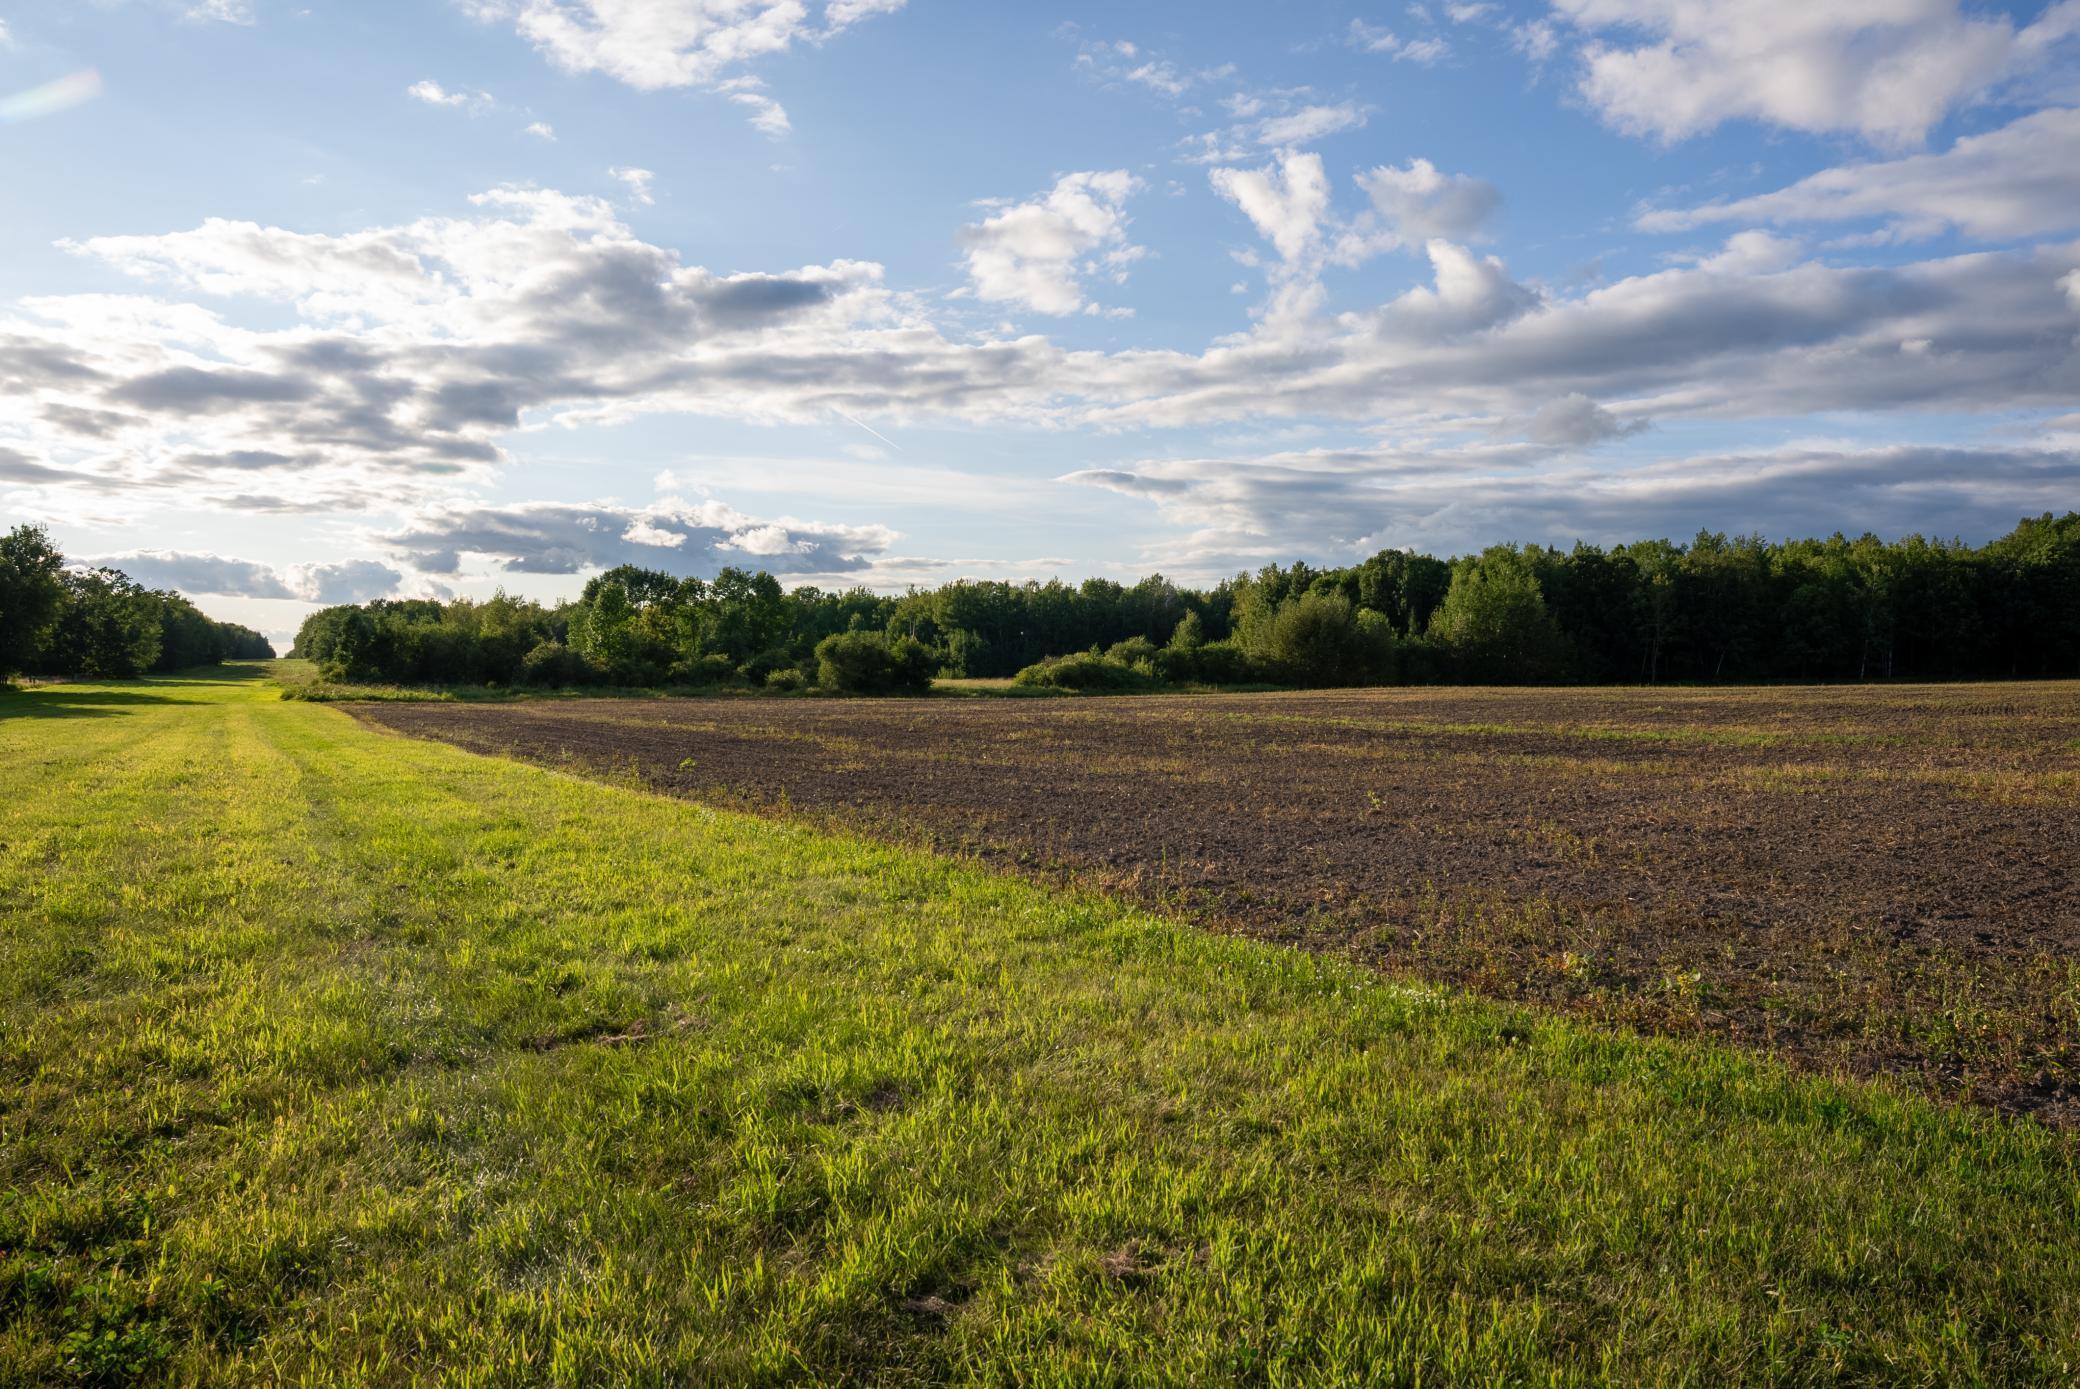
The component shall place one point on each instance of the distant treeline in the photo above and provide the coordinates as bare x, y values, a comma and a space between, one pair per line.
1717, 609
98, 622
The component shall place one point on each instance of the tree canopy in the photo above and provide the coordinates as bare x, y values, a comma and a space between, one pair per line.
1719, 608
56, 620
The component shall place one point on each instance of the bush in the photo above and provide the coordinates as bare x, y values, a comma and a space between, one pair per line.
786, 680
1136, 652
873, 663
760, 669
711, 669
1086, 672
556, 666
1320, 639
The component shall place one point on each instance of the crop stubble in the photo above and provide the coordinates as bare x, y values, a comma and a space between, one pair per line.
1881, 880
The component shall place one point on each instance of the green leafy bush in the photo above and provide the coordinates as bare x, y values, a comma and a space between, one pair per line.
873, 663
1086, 672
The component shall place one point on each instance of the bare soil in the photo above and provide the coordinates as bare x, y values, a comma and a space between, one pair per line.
1878, 880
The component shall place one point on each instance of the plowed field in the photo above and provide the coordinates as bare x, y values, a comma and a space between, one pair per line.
1875, 880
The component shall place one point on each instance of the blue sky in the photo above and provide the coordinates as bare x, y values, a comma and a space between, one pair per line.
307, 301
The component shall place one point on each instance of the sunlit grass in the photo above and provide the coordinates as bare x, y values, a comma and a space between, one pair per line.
333, 1057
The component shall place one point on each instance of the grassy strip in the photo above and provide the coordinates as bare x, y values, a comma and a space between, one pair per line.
328, 1057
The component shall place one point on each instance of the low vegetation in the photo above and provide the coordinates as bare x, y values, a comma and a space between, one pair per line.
381, 1063
1716, 610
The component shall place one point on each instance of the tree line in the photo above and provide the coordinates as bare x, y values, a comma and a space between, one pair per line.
99, 623
1717, 609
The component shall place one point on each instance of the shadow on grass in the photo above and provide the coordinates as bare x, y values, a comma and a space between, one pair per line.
59, 702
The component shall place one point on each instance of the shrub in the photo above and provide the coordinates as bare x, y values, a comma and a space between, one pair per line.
1087, 672
872, 663
1136, 652
761, 668
551, 663
1320, 639
711, 669
786, 680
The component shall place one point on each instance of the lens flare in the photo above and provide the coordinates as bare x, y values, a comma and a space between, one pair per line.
51, 97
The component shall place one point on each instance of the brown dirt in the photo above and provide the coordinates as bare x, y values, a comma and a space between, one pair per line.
1882, 880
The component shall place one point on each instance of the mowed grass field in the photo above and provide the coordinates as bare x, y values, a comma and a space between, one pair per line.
329, 1056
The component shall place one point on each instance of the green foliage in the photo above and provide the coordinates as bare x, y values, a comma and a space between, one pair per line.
30, 592
1316, 638
873, 663
99, 622
1085, 672
554, 665
1494, 626
1718, 608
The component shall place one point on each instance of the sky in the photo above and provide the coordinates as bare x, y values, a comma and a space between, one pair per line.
317, 301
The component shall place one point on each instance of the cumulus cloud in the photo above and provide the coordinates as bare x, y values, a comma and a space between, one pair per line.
1885, 69
656, 44
354, 581
1234, 512
2020, 180
1286, 202
1414, 205
411, 353
1038, 253
685, 538
415, 347
541, 130
1419, 203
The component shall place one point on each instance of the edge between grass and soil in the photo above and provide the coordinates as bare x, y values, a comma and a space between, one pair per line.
336, 1057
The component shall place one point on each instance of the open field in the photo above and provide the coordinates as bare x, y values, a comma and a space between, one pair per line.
1885, 880
334, 1057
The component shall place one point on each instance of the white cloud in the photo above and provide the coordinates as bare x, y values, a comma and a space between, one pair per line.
434, 94
2020, 180
1286, 202
1371, 38
1273, 120
656, 44
639, 182
222, 11
1234, 512
767, 115
412, 354
1114, 62
1417, 203
354, 581
1885, 69
6, 39
684, 537
1574, 420
542, 130
1038, 253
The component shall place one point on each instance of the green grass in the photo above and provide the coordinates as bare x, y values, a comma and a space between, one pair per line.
332, 1057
